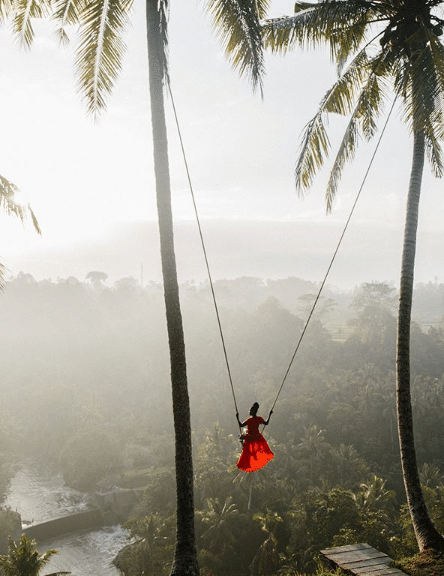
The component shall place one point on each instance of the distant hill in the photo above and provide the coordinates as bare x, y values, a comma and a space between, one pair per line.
239, 248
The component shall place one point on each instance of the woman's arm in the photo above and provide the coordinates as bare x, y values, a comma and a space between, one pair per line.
268, 419
241, 424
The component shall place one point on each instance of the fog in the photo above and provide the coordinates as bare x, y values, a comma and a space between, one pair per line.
86, 392
370, 251
89, 352
85, 374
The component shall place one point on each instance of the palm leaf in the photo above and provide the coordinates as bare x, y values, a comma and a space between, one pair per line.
362, 122
66, 13
24, 11
237, 23
434, 153
6, 8
339, 99
314, 148
337, 22
437, 59
9, 204
101, 49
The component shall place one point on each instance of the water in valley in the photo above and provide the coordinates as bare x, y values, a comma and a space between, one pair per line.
38, 495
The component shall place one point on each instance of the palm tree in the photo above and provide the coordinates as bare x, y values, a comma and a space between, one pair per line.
379, 46
23, 559
220, 519
99, 57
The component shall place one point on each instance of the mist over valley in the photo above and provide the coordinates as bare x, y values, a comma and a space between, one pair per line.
86, 393
236, 248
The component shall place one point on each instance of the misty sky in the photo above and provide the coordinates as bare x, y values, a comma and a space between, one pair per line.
87, 180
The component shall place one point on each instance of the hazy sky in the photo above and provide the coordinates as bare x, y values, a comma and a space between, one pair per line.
84, 178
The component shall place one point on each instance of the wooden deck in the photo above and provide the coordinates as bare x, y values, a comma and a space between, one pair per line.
362, 559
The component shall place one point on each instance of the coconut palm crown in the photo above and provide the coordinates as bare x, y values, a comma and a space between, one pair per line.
380, 47
101, 46
23, 558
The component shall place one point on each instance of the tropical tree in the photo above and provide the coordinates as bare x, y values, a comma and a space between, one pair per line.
99, 57
96, 278
380, 47
219, 520
23, 558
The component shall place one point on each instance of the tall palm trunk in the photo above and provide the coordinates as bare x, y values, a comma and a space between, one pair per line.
425, 532
185, 556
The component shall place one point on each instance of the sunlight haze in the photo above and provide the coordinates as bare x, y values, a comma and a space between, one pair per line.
86, 179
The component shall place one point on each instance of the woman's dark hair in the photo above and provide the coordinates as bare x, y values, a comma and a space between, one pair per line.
254, 408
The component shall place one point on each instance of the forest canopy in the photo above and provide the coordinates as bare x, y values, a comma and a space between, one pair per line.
85, 365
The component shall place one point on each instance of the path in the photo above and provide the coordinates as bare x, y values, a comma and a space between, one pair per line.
362, 559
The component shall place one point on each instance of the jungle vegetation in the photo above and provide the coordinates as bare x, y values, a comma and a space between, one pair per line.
78, 361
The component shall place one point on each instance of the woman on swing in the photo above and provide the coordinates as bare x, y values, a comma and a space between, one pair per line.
256, 452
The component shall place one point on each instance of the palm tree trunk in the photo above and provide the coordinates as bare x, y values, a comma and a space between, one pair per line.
185, 556
425, 532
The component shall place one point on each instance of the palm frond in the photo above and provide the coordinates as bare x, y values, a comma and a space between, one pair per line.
9, 204
344, 91
34, 220
24, 11
340, 99
6, 8
434, 153
11, 207
341, 24
362, 123
347, 42
66, 13
238, 25
314, 148
283, 34
419, 80
437, 60
101, 49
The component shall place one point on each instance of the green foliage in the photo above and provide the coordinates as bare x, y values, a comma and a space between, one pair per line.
333, 431
239, 27
23, 558
151, 553
371, 59
427, 563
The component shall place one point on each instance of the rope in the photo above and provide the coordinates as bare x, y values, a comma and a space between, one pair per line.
333, 257
204, 249
325, 276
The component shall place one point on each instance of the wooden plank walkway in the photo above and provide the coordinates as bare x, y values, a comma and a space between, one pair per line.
362, 559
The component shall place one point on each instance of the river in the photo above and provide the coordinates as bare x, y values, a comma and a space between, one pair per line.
38, 495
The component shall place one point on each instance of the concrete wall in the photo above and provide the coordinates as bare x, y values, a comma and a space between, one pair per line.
59, 526
119, 503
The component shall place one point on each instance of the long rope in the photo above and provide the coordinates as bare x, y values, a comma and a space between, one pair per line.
333, 257
326, 274
204, 249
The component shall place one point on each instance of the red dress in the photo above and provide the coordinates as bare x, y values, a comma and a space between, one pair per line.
256, 452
